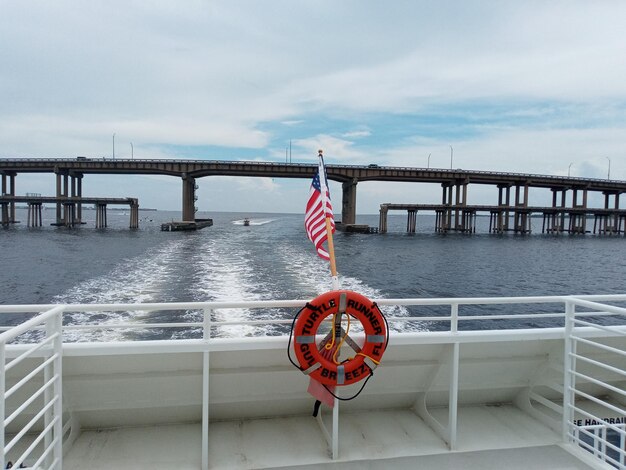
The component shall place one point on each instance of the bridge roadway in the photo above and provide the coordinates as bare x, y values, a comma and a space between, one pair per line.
454, 181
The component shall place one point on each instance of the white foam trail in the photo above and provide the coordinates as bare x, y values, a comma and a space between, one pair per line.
225, 274
137, 280
221, 270
313, 277
254, 221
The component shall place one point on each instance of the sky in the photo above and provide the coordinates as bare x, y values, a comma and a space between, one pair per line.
532, 87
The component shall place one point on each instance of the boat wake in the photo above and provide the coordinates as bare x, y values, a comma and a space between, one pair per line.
224, 272
252, 222
142, 279
202, 269
312, 276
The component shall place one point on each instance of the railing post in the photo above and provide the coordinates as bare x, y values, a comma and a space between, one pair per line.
335, 438
568, 365
453, 398
622, 444
206, 323
206, 335
58, 389
2, 402
454, 318
48, 394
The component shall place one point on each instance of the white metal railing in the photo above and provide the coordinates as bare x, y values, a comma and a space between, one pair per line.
600, 428
45, 332
595, 439
452, 321
39, 410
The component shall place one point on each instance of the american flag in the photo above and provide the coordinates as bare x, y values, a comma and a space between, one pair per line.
315, 217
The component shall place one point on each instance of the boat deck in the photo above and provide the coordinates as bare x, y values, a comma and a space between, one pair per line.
488, 437
497, 396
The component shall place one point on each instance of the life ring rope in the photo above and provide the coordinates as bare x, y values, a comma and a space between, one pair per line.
328, 346
368, 357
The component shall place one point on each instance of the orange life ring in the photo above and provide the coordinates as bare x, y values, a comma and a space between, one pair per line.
314, 363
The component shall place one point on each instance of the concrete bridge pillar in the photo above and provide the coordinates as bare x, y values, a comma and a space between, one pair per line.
411, 220
101, 215
611, 225
504, 203
4, 216
69, 213
557, 223
443, 223
8, 190
189, 198
382, 221
461, 200
575, 203
134, 213
5, 205
348, 202
578, 220
34, 214
522, 219
62, 191
77, 191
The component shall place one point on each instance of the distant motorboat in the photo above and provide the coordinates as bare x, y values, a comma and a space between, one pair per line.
246, 222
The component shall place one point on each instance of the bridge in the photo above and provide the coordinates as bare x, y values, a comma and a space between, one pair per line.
71, 214
463, 218
454, 182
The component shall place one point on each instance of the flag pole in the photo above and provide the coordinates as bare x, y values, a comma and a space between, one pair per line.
329, 230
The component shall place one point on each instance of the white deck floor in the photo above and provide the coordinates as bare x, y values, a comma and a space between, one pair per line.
489, 437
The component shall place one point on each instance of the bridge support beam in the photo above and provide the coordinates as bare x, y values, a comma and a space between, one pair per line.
77, 191
468, 221
411, 220
34, 214
189, 198
501, 217
453, 194
578, 219
8, 189
522, 219
556, 218
4, 209
348, 202
134, 213
610, 223
443, 220
382, 220
101, 215
461, 200
69, 213
70, 186
5, 205
62, 192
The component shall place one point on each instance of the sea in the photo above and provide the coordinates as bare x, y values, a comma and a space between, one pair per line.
272, 259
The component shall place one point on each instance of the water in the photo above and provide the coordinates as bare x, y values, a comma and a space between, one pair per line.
272, 260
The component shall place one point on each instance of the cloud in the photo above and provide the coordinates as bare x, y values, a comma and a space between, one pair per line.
512, 86
356, 134
335, 149
42, 135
